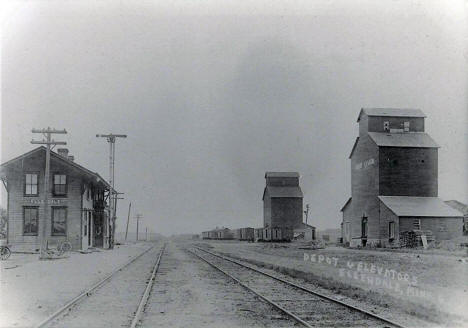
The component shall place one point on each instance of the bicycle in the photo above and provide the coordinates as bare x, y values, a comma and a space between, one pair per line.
5, 252
63, 247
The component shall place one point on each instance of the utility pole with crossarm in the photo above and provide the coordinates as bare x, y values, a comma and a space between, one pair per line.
48, 141
306, 212
111, 140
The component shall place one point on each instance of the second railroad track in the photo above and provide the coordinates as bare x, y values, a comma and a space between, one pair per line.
305, 306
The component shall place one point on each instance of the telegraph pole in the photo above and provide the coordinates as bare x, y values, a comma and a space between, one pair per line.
128, 219
146, 234
111, 140
307, 212
48, 141
138, 217
116, 196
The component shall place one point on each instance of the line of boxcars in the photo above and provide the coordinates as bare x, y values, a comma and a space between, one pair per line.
251, 234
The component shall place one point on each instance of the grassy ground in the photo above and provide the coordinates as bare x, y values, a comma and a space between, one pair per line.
427, 285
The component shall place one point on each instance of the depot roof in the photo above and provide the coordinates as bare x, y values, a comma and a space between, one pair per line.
55, 156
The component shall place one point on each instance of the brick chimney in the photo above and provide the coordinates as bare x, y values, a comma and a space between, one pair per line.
63, 152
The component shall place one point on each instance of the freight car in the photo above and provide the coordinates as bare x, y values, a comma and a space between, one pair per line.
273, 234
246, 234
223, 233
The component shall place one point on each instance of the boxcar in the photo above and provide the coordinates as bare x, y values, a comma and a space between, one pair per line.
258, 234
246, 234
225, 234
273, 234
237, 234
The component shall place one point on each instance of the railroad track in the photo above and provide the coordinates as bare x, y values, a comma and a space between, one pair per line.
305, 306
55, 317
144, 298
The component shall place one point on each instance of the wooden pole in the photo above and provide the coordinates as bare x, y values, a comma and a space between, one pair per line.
46, 198
138, 220
48, 142
111, 224
128, 219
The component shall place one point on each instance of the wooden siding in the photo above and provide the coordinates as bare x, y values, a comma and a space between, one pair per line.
282, 181
286, 213
376, 123
267, 211
387, 216
364, 189
73, 202
442, 228
408, 172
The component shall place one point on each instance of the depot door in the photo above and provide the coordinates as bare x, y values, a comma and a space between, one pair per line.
84, 230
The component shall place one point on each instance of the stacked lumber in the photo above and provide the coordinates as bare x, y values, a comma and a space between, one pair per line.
412, 238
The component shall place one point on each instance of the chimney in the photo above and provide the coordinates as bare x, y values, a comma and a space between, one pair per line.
71, 158
63, 152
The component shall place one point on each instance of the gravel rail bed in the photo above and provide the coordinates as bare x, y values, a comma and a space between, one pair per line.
119, 297
188, 292
312, 309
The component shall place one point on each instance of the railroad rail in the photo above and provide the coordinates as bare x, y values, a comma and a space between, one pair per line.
100, 283
149, 286
276, 304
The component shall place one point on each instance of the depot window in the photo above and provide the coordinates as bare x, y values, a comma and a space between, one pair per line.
30, 219
60, 184
417, 224
59, 221
31, 184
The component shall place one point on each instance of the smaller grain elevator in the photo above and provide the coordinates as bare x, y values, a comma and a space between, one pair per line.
282, 200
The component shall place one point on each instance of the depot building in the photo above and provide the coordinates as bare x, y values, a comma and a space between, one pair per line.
76, 209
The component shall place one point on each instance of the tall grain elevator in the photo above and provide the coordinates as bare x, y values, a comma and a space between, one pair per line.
394, 181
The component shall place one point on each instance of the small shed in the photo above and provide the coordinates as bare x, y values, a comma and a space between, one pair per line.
399, 214
462, 208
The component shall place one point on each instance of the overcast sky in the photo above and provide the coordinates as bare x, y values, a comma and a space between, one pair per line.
211, 96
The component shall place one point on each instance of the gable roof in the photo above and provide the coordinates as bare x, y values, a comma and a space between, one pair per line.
354, 147
392, 112
411, 139
418, 206
66, 161
463, 208
283, 192
346, 204
281, 175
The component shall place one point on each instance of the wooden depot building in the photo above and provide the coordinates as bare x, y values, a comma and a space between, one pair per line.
77, 208
394, 182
